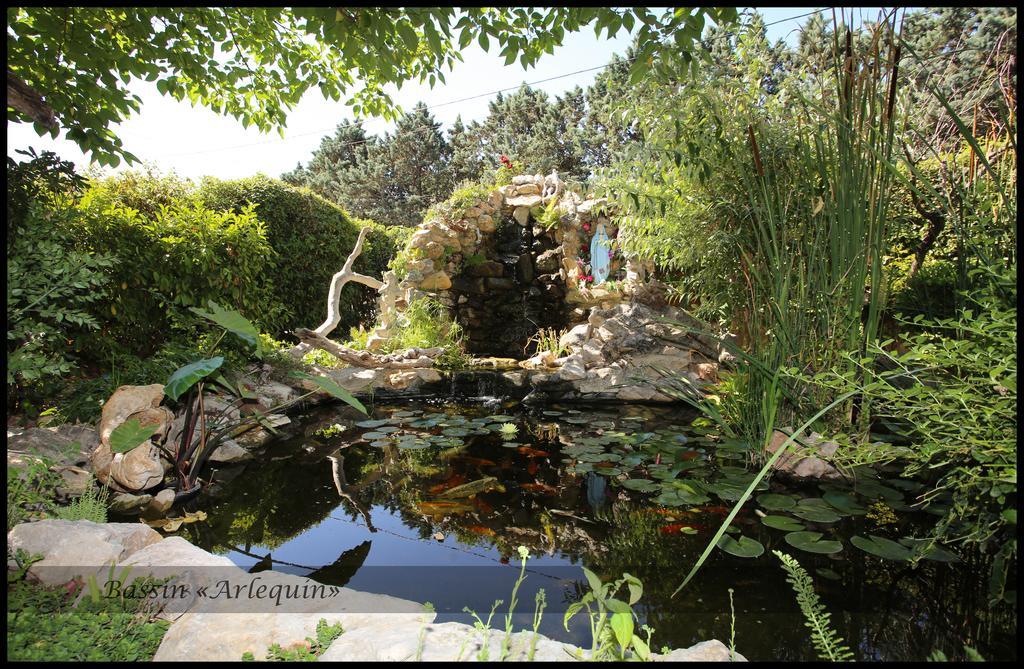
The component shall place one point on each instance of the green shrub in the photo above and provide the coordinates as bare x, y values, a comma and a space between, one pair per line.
51, 286
311, 238
426, 323
183, 254
465, 196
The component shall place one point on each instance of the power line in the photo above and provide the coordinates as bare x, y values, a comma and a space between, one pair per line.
452, 102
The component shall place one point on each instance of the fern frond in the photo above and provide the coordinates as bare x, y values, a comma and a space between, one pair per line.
828, 644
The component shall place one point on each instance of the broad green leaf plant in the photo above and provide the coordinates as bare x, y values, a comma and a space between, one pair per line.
612, 621
188, 384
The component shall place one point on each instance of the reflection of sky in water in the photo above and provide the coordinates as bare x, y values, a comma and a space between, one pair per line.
886, 610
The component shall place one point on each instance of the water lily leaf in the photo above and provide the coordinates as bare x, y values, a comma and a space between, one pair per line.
332, 388
640, 485
815, 510
887, 549
387, 430
370, 436
812, 542
874, 490
373, 423
186, 377
233, 322
130, 434
783, 523
935, 552
845, 503
380, 443
744, 547
774, 502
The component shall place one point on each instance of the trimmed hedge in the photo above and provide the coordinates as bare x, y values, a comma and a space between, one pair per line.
257, 245
312, 238
183, 255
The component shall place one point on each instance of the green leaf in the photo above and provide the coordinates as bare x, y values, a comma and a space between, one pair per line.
232, 321
332, 388
812, 542
622, 626
886, 549
744, 548
187, 376
783, 523
130, 434
592, 580
774, 502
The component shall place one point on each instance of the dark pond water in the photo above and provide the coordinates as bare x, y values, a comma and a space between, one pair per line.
363, 507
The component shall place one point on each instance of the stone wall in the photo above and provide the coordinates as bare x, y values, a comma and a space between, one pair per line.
502, 272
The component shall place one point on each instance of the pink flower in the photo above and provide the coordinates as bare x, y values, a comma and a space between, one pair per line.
586, 226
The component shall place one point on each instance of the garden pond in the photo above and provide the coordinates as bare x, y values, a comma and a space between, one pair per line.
430, 502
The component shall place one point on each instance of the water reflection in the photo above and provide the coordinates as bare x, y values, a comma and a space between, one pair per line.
438, 517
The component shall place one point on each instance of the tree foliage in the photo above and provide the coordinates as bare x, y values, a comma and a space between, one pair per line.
255, 63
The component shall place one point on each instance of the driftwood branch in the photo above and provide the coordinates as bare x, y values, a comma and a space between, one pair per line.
409, 359
338, 282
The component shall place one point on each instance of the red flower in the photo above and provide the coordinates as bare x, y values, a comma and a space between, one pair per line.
586, 226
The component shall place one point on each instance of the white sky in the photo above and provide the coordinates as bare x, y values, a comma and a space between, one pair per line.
195, 142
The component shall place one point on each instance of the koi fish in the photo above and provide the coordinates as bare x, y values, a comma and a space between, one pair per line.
483, 506
477, 461
480, 529
539, 487
533, 452
448, 484
532, 467
438, 507
474, 487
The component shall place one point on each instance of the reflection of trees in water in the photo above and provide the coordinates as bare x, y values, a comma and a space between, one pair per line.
875, 605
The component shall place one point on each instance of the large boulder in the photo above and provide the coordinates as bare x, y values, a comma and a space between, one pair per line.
141, 468
78, 548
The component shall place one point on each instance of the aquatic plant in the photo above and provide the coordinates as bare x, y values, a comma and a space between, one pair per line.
508, 431
828, 644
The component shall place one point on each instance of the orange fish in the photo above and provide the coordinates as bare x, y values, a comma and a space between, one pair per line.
480, 529
477, 461
533, 452
448, 484
532, 467
539, 487
483, 506
689, 455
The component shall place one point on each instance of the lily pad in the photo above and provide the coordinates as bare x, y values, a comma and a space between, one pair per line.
812, 542
743, 547
387, 430
887, 549
935, 552
641, 485
370, 436
374, 423
774, 502
783, 523
381, 443
815, 510
845, 503
874, 490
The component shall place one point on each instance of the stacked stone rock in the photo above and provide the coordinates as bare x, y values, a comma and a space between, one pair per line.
502, 274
